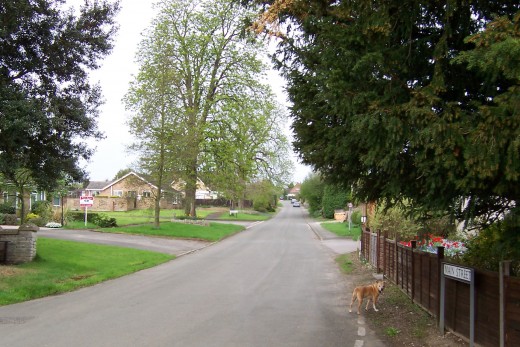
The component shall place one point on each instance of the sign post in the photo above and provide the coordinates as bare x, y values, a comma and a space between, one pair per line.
86, 201
461, 274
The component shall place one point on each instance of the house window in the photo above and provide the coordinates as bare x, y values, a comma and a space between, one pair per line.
56, 201
131, 194
118, 193
147, 194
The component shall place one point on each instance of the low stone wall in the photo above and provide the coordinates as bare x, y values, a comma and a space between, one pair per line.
18, 245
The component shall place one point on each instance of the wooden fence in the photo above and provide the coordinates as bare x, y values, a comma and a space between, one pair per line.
418, 274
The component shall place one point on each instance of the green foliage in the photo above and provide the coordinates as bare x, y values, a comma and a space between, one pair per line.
500, 241
46, 100
395, 220
43, 209
104, 221
311, 192
202, 85
7, 208
415, 102
9, 219
35, 219
334, 198
62, 266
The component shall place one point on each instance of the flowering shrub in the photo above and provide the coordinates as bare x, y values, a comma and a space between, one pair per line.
53, 225
430, 244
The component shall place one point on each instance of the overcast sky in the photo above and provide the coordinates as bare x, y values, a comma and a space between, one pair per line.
114, 77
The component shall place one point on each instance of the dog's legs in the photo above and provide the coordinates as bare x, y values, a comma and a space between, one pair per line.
360, 301
368, 303
354, 296
374, 304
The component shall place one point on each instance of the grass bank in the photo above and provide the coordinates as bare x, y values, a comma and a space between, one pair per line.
213, 232
62, 266
342, 229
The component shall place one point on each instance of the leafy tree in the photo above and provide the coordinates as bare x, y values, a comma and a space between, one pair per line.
406, 100
311, 191
334, 198
264, 195
199, 101
48, 107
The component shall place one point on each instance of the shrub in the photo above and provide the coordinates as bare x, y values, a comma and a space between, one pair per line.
43, 209
104, 221
496, 243
35, 219
1, 218
7, 208
79, 216
10, 219
333, 198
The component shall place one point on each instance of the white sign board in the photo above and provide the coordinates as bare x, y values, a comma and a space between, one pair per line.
86, 201
457, 272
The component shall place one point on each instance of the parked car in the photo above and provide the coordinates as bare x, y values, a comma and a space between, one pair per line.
296, 204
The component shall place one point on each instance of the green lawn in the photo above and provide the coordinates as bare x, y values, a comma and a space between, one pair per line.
245, 216
213, 232
62, 266
341, 229
136, 217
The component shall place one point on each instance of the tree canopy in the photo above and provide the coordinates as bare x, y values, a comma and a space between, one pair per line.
48, 108
406, 100
201, 105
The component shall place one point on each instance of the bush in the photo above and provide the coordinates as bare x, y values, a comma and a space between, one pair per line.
1, 218
10, 219
79, 216
104, 221
7, 208
334, 198
35, 219
496, 243
43, 209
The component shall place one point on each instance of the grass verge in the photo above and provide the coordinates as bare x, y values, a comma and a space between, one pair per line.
342, 229
62, 266
213, 232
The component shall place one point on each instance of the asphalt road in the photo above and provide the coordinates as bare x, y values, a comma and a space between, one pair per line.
275, 284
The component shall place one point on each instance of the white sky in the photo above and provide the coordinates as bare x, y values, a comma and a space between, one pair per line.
114, 77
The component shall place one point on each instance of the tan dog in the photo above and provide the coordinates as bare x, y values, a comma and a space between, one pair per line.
371, 292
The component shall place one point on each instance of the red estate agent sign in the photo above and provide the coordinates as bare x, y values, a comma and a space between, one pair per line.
86, 201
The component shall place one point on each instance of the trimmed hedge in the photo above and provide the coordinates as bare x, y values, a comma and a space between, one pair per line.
100, 219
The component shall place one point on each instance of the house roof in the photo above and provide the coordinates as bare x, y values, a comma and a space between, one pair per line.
102, 185
98, 185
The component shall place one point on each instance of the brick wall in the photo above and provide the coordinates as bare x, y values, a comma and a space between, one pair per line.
21, 244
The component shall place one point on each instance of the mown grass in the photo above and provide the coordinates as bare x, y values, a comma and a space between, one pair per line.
345, 262
136, 217
245, 216
342, 229
62, 266
213, 232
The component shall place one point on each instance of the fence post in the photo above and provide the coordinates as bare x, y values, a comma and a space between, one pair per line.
440, 258
504, 271
385, 235
414, 244
378, 247
396, 262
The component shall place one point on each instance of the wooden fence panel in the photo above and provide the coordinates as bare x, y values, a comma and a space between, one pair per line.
512, 312
418, 275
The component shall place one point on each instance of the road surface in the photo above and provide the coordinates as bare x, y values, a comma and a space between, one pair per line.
275, 284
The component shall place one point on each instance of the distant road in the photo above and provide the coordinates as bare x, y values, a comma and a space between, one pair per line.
274, 284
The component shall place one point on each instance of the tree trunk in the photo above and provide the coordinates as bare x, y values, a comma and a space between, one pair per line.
156, 221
